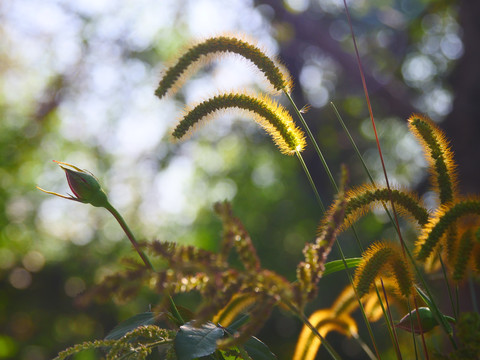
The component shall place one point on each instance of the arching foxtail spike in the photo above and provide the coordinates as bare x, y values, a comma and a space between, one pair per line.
271, 116
440, 223
378, 257
438, 154
277, 76
362, 199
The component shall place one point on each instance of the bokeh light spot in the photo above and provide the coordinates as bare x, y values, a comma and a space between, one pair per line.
20, 278
74, 286
33, 261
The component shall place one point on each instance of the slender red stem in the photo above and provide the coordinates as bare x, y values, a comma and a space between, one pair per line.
364, 84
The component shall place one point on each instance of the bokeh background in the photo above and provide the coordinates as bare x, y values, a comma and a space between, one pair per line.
76, 85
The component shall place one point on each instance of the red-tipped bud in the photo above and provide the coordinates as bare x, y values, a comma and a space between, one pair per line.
85, 187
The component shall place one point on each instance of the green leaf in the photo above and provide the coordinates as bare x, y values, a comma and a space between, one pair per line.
258, 350
337, 265
255, 348
147, 318
237, 323
192, 342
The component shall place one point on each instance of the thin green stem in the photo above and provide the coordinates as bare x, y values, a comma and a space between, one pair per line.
364, 346
379, 148
352, 142
130, 235
142, 255
432, 306
457, 296
354, 145
312, 138
449, 290
425, 349
390, 319
312, 184
360, 305
472, 292
412, 330
334, 184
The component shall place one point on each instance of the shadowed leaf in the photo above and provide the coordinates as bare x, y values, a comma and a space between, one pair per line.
192, 342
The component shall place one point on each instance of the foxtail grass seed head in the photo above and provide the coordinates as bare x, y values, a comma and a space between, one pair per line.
273, 117
464, 254
445, 217
381, 257
363, 199
438, 154
84, 186
277, 76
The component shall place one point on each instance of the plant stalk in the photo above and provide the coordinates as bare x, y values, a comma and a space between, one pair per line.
142, 255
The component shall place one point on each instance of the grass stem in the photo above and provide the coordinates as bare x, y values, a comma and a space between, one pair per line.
312, 184
142, 255
334, 184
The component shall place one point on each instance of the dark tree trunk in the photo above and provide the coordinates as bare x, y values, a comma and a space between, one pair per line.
463, 123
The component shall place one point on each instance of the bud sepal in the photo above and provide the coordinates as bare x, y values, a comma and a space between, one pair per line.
84, 186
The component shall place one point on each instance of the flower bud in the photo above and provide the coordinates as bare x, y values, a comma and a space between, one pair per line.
85, 187
427, 321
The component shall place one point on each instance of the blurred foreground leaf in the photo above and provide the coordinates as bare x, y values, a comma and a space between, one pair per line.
192, 342
147, 318
337, 265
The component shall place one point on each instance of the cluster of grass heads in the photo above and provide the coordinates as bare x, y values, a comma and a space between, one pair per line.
238, 300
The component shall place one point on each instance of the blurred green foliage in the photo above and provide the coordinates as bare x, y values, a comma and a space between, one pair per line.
76, 85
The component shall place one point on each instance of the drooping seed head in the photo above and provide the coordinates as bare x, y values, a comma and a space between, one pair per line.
273, 117
276, 74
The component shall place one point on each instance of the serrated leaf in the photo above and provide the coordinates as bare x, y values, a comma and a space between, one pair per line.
147, 318
192, 342
337, 265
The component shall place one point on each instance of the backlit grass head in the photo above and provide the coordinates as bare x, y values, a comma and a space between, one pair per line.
175, 75
273, 117
386, 259
438, 154
360, 200
445, 217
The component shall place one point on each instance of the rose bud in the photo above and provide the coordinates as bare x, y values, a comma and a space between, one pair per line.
85, 187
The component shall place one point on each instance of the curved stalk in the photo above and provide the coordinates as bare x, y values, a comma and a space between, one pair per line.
142, 255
